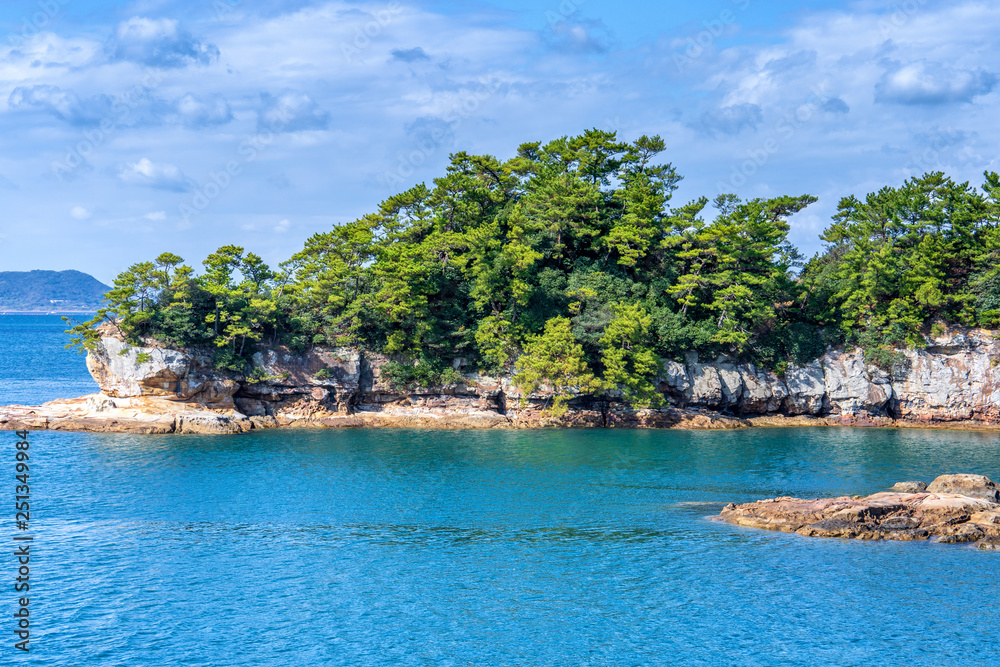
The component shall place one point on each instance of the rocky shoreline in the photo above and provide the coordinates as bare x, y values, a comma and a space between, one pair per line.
952, 509
953, 382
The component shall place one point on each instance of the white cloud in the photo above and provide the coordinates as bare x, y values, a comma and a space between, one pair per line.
156, 216
290, 112
203, 111
799, 97
922, 82
576, 35
729, 120
25, 57
154, 175
282, 226
158, 43
63, 104
79, 213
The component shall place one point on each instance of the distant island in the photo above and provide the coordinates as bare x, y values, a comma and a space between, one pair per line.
47, 291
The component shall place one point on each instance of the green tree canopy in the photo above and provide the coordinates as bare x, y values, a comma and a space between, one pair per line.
570, 262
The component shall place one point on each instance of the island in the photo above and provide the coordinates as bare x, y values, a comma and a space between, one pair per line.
562, 287
50, 291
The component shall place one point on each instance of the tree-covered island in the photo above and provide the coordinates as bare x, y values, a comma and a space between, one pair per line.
568, 265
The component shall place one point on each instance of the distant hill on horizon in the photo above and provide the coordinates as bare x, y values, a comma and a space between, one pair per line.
50, 291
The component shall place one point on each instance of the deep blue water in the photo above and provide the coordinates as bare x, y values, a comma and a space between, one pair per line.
35, 366
387, 547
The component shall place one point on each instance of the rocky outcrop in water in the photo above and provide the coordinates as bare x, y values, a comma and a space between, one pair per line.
953, 509
953, 381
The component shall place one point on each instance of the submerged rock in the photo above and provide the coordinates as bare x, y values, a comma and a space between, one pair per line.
892, 515
990, 543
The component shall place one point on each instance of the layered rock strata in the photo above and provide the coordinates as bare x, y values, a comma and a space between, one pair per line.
952, 509
953, 381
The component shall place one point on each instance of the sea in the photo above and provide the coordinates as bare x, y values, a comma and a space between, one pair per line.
419, 547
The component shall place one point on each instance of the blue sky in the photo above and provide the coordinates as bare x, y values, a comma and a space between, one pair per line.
135, 128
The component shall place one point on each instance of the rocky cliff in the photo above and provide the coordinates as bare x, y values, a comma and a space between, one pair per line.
953, 380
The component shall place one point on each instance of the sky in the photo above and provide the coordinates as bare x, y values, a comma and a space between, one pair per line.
131, 129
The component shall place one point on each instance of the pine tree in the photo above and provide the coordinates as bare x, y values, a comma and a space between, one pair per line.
554, 360
628, 358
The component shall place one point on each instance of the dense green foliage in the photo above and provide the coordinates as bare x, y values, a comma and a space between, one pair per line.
568, 265
906, 257
555, 360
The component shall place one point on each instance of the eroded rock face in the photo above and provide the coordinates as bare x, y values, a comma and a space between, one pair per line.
324, 376
731, 381
806, 387
706, 386
852, 386
172, 374
334, 368
909, 487
973, 486
676, 383
763, 392
892, 515
952, 380
840, 383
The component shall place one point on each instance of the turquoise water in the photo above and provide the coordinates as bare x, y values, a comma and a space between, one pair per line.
485, 548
